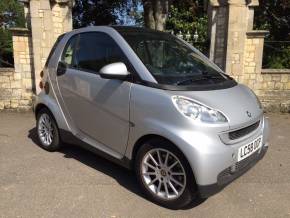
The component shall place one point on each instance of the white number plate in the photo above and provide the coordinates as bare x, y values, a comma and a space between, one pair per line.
247, 150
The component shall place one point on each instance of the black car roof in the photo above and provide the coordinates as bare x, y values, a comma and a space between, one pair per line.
135, 29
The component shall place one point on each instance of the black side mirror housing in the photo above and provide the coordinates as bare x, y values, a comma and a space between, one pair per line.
61, 68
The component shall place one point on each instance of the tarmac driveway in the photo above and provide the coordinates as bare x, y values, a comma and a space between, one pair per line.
76, 183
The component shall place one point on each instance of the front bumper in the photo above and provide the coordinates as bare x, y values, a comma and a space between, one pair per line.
215, 163
225, 177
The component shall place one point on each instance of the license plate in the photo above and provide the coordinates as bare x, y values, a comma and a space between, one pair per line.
247, 150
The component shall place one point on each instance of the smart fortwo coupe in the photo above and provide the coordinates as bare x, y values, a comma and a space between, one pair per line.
153, 103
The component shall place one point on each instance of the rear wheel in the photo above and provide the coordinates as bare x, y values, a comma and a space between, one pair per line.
47, 130
164, 174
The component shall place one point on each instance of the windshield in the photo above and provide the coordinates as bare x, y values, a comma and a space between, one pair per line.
171, 61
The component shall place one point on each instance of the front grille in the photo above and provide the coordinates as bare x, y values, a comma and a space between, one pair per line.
226, 175
244, 131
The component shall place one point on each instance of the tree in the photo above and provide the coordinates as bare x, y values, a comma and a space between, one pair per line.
11, 15
155, 13
275, 17
97, 12
189, 16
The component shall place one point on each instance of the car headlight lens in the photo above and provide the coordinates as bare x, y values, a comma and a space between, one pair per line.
197, 111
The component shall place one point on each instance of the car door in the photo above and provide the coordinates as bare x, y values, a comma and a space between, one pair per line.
98, 108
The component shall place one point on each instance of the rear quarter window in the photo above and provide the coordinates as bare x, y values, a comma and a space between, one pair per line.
53, 49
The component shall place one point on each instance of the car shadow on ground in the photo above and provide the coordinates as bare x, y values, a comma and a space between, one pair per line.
123, 176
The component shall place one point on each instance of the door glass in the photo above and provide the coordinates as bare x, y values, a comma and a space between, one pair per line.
95, 50
53, 49
68, 54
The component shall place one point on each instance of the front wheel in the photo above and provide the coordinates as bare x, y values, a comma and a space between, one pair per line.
47, 130
164, 174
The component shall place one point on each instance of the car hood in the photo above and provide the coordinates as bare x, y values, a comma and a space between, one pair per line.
239, 104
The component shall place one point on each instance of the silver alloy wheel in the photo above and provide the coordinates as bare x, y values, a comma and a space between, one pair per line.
163, 174
45, 129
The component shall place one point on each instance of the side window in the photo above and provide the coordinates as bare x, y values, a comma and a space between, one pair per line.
68, 55
53, 49
96, 50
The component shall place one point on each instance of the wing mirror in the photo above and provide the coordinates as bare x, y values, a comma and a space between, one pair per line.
114, 71
61, 68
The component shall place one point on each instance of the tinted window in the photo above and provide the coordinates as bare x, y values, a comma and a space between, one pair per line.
171, 61
53, 49
96, 50
68, 55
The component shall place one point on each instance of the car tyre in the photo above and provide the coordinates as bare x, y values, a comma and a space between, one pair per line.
47, 130
166, 197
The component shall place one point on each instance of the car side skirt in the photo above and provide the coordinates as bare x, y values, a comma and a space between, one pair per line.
69, 138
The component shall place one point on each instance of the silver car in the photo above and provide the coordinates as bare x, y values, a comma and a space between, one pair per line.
153, 103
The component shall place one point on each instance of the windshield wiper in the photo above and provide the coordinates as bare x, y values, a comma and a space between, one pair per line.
204, 77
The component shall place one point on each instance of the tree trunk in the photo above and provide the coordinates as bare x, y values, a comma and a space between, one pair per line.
148, 14
155, 13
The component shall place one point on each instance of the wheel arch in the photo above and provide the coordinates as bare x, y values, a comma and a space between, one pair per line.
39, 107
148, 137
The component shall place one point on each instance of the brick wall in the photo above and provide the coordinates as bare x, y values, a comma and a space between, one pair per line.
12, 91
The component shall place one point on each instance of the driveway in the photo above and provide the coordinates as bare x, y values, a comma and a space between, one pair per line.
76, 183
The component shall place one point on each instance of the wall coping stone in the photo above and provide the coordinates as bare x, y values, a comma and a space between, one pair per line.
56, 1
61, 1
275, 71
6, 69
250, 3
18, 31
257, 34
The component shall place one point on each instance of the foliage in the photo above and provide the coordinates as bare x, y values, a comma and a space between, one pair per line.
189, 17
275, 17
276, 55
11, 15
96, 12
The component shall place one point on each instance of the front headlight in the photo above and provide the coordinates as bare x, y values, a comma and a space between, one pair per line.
197, 111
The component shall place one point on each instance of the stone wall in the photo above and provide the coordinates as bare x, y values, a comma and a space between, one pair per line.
45, 21
49, 19
271, 85
16, 84
274, 89
13, 94
218, 33
241, 56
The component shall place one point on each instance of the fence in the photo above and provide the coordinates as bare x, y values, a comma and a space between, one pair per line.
193, 39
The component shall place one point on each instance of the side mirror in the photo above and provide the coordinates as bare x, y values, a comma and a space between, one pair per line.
61, 68
114, 71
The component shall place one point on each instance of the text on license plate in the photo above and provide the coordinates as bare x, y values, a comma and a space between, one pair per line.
246, 150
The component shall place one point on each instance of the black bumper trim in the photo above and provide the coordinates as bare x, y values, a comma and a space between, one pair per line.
206, 191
